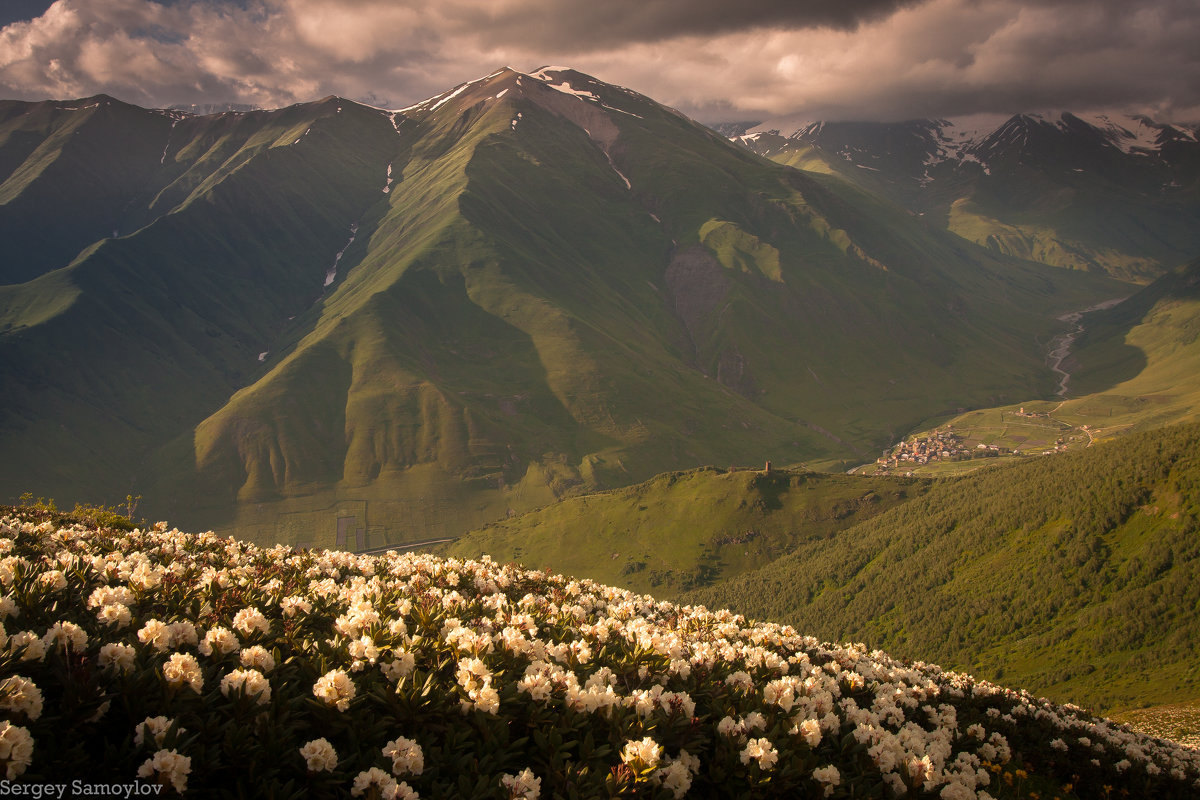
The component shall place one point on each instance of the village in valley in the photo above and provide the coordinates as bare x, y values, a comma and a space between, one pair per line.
942, 447
937, 446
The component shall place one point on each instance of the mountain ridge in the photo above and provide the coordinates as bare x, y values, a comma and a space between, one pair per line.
521, 287
1082, 191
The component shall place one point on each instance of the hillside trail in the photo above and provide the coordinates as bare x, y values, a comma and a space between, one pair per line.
1060, 346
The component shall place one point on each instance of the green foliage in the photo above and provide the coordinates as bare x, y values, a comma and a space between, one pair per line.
1067, 574
114, 517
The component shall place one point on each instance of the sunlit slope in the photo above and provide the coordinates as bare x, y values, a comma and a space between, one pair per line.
1138, 364
680, 530
1070, 575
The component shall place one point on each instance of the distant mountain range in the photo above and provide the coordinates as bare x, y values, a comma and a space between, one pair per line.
1108, 193
342, 325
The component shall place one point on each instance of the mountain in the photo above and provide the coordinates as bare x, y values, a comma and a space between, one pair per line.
1068, 575
339, 325
1107, 193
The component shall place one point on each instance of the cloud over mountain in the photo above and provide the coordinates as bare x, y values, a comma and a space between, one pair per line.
875, 59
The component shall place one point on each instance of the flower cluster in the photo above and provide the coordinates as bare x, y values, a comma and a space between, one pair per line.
183, 660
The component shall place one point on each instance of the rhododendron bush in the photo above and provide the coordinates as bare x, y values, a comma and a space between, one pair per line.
212, 667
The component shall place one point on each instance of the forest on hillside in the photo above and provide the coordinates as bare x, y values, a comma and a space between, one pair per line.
1072, 575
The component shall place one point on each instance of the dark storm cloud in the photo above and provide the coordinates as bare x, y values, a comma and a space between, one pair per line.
718, 59
588, 25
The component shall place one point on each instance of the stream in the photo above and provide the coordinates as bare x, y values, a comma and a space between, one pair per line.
1060, 346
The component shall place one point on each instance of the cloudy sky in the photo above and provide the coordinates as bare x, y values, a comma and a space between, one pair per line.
714, 59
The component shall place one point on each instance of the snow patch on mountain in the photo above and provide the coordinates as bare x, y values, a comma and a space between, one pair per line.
163, 158
566, 88
543, 74
331, 275
620, 174
450, 97
1132, 135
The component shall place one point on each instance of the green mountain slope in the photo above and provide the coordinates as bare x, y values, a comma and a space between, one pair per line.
132, 342
348, 327
686, 529
1137, 365
1070, 575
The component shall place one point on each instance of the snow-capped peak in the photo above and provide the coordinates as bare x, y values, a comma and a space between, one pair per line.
1132, 134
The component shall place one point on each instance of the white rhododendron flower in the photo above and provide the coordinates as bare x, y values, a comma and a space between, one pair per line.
146, 576
167, 766
219, 640
401, 665
335, 688
258, 657
118, 657
66, 636
251, 620
155, 727
406, 756
20, 695
644, 754
29, 644
375, 778
293, 605
249, 681
155, 633
183, 633
522, 786
53, 580
115, 614
809, 730
319, 755
760, 751
182, 668
828, 776
16, 749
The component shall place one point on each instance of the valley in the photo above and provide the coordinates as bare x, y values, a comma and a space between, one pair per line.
545, 318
